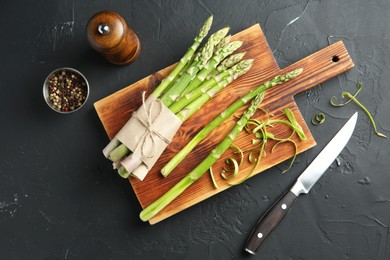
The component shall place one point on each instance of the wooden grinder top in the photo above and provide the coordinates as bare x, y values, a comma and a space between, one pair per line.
108, 33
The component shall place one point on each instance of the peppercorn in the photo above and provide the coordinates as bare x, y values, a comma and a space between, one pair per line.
67, 91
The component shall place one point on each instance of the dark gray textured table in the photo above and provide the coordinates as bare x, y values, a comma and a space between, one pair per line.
60, 199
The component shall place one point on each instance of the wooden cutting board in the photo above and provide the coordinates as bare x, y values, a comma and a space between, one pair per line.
116, 109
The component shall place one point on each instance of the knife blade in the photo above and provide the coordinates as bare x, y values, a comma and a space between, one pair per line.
302, 186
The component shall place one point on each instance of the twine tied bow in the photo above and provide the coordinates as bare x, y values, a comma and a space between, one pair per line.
150, 132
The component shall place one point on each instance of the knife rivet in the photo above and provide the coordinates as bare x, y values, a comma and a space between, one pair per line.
284, 206
260, 235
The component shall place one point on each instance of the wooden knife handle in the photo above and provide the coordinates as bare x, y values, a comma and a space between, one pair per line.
269, 221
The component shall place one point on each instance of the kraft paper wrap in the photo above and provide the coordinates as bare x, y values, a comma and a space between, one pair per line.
149, 131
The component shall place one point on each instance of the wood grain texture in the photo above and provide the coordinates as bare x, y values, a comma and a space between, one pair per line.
116, 109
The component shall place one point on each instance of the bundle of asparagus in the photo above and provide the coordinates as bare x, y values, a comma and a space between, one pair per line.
196, 78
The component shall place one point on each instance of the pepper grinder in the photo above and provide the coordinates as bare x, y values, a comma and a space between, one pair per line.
108, 33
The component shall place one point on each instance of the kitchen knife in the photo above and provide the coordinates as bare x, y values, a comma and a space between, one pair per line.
303, 185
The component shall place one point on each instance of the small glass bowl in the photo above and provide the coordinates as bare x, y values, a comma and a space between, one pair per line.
46, 86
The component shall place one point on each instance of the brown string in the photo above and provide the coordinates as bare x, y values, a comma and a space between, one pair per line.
150, 131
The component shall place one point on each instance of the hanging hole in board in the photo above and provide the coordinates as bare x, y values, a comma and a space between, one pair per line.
335, 58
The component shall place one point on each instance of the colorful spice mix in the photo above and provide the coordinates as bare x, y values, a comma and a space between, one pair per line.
67, 90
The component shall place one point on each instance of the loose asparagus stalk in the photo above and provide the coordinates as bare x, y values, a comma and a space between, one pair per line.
198, 171
171, 165
199, 62
203, 88
184, 60
211, 65
226, 64
191, 108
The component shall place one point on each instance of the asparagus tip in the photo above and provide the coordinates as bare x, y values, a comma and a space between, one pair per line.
299, 71
208, 23
293, 74
236, 44
225, 30
245, 63
206, 27
219, 35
